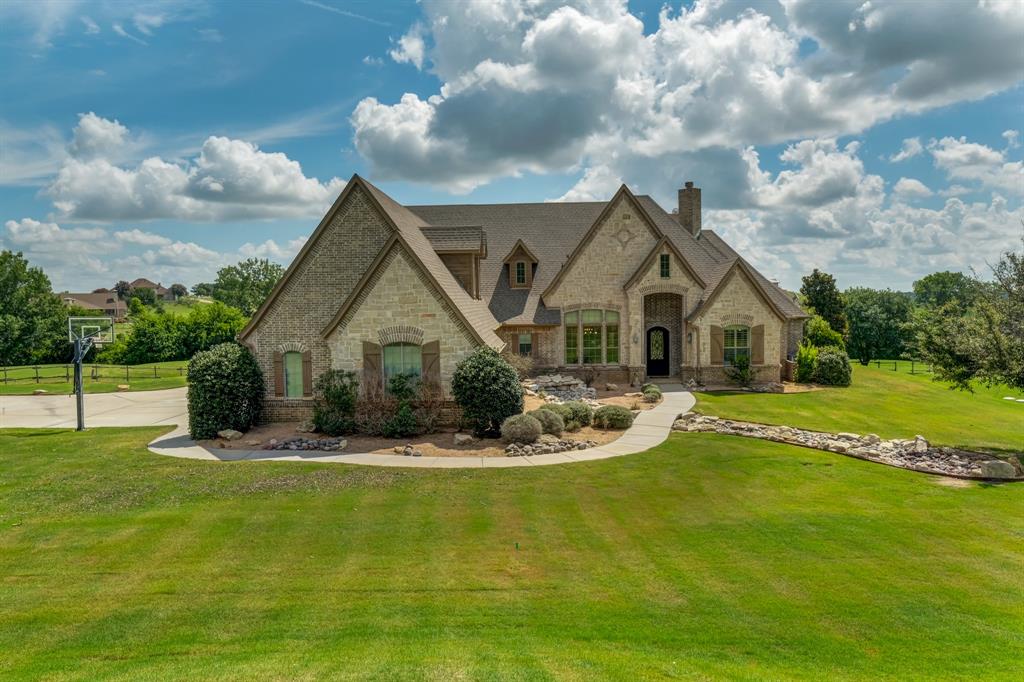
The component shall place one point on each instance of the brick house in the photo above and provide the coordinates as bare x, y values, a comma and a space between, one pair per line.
161, 292
620, 288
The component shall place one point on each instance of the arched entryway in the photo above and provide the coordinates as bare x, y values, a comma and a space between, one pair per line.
658, 352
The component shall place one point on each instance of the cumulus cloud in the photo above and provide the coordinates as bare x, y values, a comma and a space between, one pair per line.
229, 179
970, 161
911, 147
911, 188
541, 87
283, 253
410, 49
137, 236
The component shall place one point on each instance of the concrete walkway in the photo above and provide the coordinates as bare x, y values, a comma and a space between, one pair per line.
139, 408
650, 428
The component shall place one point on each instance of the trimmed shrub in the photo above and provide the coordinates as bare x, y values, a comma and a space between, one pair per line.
334, 406
613, 417
740, 372
225, 390
806, 359
818, 333
644, 387
488, 391
579, 412
561, 409
521, 428
652, 394
550, 421
403, 423
832, 368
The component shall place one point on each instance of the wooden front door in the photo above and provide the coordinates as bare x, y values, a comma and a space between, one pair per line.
657, 352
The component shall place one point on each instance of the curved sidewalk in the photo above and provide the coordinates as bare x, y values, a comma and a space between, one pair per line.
650, 428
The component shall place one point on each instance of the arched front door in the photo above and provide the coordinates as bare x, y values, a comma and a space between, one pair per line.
657, 352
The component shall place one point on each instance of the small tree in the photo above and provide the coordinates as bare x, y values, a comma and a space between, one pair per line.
225, 390
820, 292
246, 285
819, 334
202, 289
488, 391
878, 323
178, 290
806, 360
145, 296
123, 289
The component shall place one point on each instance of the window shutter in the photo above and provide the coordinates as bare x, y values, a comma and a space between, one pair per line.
278, 374
757, 345
307, 373
373, 371
431, 358
717, 345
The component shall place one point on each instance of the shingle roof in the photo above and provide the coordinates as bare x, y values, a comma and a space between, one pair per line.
457, 238
96, 301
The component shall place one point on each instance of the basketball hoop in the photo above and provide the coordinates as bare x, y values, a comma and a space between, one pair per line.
84, 333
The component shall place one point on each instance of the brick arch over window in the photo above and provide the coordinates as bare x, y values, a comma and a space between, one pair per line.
289, 346
400, 334
663, 288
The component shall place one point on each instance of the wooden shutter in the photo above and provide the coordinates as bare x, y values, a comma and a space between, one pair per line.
717, 345
373, 366
307, 373
431, 359
278, 374
757, 345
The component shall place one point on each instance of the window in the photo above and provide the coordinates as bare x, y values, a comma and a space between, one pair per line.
526, 345
293, 374
402, 358
599, 332
520, 273
737, 343
572, 338
665, 269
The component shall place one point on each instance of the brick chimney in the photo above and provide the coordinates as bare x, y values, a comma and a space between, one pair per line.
689, 208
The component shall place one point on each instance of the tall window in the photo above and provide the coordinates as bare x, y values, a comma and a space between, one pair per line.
402, 358
572, 338
526, 345
737, 343
293, 374
520, 273
665, 268
597, 331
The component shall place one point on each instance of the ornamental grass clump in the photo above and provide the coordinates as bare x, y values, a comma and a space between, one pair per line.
652, 394
613, 417
521, 428
579, 412
550, 421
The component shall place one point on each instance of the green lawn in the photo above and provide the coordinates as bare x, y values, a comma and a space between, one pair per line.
707, 557
98, 378
891, 404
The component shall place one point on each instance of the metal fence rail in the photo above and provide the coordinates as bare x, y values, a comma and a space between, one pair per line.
57, 374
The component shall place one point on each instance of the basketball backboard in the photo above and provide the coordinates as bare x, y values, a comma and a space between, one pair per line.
99, 330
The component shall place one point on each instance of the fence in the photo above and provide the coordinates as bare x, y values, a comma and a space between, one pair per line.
64, 374
908, 366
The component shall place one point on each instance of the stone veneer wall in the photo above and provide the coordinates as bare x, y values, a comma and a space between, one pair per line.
399, 299
666, 310
546, 343
794, 335
312, 296
739, 303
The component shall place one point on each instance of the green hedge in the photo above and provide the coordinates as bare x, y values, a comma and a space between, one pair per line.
488, 391
225, 390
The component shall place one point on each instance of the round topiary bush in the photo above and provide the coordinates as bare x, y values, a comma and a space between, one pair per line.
652, 394
613, 417
832, 367
550, 421
579, 412
225, 390
521, 428
488, 391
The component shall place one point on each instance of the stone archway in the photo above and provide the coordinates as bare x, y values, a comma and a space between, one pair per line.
665, 310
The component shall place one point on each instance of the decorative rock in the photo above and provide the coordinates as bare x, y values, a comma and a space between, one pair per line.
871, 438
996, 468
552, 446
229, 434
123, 387
849, 436
399, 450
558, 388
252, 442
920, 445
299, 443
611, 387
463, 439
40, 391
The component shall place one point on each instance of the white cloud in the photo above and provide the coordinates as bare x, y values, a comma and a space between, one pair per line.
970, 161
911, 188
911, 147
91, 27
411, 48
137, 236
1012, 138
229, 179
38, 235
283, 253
146, 23
120, 30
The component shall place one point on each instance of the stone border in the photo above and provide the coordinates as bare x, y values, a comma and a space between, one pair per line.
914, 455
650, 428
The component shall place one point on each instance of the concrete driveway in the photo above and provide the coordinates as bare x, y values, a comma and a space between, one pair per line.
140, 408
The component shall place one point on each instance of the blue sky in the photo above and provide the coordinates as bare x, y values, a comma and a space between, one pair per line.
168, 139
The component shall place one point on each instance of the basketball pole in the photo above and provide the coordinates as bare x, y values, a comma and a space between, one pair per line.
81, 348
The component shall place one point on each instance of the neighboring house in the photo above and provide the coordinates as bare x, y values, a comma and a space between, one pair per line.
106, 302
621, 288
162, 293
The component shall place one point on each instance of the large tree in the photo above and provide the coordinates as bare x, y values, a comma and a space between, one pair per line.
33, 322
941, 288
123, 289
984, 343
878, 323
179, 290
246, 285
820, 293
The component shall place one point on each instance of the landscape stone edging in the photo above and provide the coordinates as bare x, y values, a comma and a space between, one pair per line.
914, 455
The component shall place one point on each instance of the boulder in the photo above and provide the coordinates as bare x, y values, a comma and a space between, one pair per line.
123, 387
229, 434
611, 387
252, 442
463, 439
996, 468
40, 391
920, 445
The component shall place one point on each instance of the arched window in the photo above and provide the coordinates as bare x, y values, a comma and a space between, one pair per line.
737, 343
293, 374
403, 358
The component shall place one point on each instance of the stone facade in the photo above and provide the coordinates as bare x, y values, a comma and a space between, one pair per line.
666, 310
324, 278
399, 303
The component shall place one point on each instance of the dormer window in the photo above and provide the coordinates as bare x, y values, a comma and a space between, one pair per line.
520, 274
521, 266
